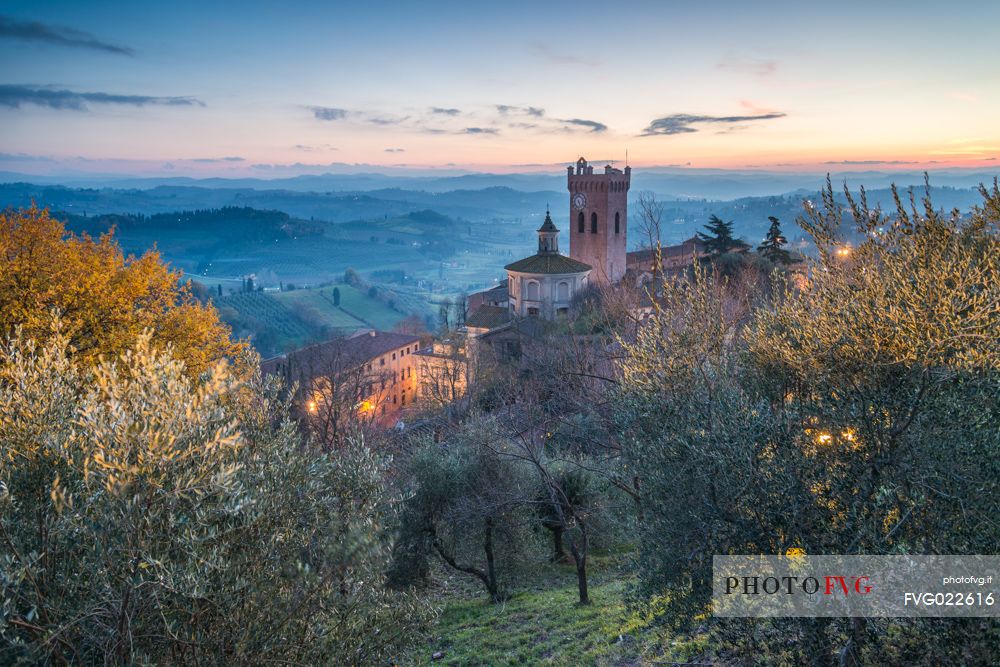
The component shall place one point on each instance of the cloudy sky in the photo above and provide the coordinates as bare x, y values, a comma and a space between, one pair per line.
276, 88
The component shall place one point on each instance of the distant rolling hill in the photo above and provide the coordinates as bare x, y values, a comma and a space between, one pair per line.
671, 182
455, 240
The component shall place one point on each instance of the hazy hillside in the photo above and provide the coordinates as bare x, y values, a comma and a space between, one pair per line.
437, 242
669, 182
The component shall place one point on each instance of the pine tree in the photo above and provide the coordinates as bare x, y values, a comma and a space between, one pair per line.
720, 240
772, 247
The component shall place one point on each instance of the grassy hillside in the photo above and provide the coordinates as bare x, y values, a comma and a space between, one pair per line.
356, 310
375, 313
317, 307
276, 322
543, 624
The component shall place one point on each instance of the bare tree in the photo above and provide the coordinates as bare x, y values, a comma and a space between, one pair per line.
561, 389
341, 394
444, 314
444, 375
650, 227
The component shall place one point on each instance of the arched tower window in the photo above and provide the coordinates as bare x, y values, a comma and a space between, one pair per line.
580, 223
593, 223
617, 222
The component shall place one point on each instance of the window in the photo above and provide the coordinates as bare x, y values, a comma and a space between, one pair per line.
617, 221
404, 398
562, 291
394, 399
532, 291
562, 312
593, 223
394, 356
381, 361
532, 311
580, 223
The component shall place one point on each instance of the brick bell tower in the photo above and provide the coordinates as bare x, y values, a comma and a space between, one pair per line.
598, 214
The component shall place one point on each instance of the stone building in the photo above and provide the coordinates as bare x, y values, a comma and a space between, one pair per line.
673, 258
373, 372
599, 219
543, 284
442, 372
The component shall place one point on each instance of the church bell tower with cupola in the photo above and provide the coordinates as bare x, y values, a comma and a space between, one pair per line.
598, 214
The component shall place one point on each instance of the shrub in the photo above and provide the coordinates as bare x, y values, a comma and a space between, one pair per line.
151, 518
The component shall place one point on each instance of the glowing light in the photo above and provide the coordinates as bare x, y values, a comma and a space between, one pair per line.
366, 406
844, 251
311, 406
848, 435
824, 438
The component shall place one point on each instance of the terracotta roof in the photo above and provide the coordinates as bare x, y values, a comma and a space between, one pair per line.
548, 263
687, 248
499, 290
337, 354
531, 327
488, 317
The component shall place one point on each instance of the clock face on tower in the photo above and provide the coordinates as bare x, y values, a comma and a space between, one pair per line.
579, 201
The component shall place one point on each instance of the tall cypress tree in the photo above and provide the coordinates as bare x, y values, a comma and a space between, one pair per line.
720, 239
773, 246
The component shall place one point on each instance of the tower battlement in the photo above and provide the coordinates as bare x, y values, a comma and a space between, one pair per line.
599, 218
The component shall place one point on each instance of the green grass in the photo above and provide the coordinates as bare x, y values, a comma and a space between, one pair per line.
279, 321
261, 307
318, 303
543, 624
374, 312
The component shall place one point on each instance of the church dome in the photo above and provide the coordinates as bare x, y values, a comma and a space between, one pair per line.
547, 264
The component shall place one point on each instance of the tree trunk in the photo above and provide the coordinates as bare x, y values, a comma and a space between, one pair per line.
491, 572
850, 655
638, 499
488, 580
579, 552
558, 551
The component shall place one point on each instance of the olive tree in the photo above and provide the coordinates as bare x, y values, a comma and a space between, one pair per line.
149, 517
859, 414
467, 505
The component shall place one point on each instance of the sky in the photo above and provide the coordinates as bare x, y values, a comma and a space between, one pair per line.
274, 89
